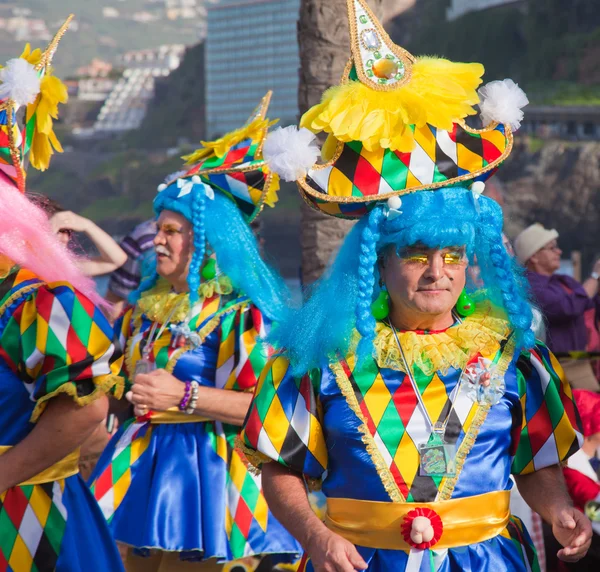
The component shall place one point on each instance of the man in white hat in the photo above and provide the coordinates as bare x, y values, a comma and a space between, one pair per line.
561, 298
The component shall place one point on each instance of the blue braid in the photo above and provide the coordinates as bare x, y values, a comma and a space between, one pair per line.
516, 306
198, 210
367, 271
146, 284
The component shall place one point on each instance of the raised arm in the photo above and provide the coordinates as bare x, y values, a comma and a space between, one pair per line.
111, 255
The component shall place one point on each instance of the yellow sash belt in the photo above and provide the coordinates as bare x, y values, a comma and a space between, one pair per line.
173, 415
378, 524
67, 467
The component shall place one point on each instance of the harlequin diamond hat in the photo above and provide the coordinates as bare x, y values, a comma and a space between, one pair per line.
28, 81
396, 125
232, 165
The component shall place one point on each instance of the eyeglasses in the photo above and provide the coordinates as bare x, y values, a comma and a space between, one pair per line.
449, 257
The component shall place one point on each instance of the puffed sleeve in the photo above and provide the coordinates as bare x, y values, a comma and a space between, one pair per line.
57, 341
284, 422
550, 426
242, 354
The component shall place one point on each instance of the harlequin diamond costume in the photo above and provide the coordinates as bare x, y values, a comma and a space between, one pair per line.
413, 435
174, 481
53, 341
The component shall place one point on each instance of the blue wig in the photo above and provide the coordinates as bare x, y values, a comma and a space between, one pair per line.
341, 300
218, 222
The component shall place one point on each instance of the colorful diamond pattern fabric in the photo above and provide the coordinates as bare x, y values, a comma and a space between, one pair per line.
58, 341
112, 485
32, 524
247, 511
440, 158
284, 423
548, 414
397, 424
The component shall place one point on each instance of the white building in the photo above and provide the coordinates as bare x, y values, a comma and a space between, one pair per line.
251, 47
125, 107
459, 8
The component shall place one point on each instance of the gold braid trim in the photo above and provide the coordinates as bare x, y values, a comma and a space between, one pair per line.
18, 294
102, 388
255, 458
471, 436
383, 470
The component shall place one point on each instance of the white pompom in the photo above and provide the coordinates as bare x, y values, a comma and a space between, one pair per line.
502, 101
290, 152
394, 203
20, 82
478, 187
196, 180
161, 187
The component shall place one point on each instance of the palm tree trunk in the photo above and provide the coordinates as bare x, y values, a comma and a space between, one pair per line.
324, 50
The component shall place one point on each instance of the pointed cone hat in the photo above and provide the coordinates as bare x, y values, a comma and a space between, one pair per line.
28, 81
396, 124
234, 166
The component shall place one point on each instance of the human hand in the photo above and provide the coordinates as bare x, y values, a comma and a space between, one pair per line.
67, 220
155, 391
329, 552
574, 531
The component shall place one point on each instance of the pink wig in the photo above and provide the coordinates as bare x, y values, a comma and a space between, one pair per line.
27, 239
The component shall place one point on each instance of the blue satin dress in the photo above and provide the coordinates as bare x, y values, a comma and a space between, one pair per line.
183, 486
356, 430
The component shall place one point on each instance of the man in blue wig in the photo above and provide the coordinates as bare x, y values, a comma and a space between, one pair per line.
404, 392
171, 483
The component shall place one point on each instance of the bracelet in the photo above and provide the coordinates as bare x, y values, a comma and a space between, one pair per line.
194, 398
186, 396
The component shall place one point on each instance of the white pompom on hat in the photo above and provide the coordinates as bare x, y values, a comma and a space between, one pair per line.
291, 152
531, 240
502, 101
20, 82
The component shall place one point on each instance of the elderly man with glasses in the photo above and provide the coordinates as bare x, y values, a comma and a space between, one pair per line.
563, 301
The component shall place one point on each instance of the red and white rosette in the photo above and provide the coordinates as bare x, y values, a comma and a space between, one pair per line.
421, 528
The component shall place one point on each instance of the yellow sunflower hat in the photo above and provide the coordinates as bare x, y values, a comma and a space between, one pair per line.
396, 125
28, 81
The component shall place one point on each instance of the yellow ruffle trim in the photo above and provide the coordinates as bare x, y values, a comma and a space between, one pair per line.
439, 93
255, 130
482, 333
158, 303
52, 92
104, 385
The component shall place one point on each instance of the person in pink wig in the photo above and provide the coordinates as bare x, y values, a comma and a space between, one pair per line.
58, 358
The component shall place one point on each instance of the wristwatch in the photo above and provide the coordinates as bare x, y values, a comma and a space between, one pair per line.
595, 275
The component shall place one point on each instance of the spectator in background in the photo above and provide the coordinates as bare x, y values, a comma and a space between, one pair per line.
562, 299
139, 248
65, 223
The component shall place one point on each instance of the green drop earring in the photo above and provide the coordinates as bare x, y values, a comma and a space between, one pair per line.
380, 308
209, 270
465, 306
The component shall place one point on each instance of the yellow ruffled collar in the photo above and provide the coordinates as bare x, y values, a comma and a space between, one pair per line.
160, 303
440, 351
